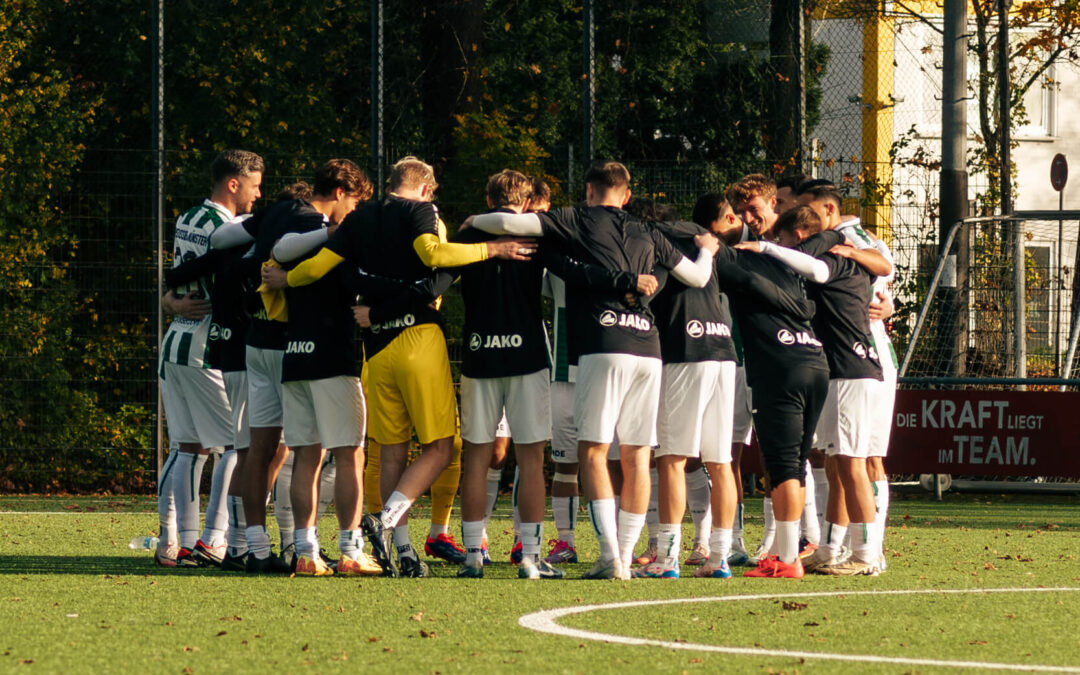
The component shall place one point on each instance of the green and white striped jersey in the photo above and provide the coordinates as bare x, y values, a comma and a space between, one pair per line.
561, 369
185, 340
852, 229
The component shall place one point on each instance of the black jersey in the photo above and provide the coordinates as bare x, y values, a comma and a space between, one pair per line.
378, 238
267, 227
773, 314
694, 323
503, 332
842, 322
322, 329
602, 320
228, 314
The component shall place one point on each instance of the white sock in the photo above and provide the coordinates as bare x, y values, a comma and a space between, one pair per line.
719, 545
787, 540
564, 512
605, 524
166, 501
668, 542
350, 542
821, 495
514, 500
531, 534
834, 538
862, 541
630, 526
652, 514
395, 507
699, 499
811, 529
258, 540
307, 542
217, 509
472, 537
283, 511
494, 477
403, 543
437, 529
187, 475
770, 525
327, 478
737, 530
881, 505
237, 526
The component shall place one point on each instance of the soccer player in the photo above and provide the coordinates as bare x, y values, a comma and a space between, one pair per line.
194, 394
787, 192
713, 212
323, 406
615, 341
696, 408
842, 324
753, 198
788, 374
409, 384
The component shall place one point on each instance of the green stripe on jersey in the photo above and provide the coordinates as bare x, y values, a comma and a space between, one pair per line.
166, 352
183, 352
562, 347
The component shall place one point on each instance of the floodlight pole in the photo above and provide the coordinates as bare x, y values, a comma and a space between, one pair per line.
378, 159
158, 135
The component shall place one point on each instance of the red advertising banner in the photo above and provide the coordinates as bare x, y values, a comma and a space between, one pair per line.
999, 433
979, 433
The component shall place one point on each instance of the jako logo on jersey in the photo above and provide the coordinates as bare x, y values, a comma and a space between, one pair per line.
300, 347
635, 321
786, 337
403, 322
696, 329
859, 349
219, 333
494, 342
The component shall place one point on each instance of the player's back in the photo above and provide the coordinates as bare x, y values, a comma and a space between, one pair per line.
379, 237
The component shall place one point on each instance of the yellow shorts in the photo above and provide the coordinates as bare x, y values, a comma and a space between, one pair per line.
409, 386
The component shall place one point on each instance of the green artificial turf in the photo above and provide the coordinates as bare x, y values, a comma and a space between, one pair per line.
74, 598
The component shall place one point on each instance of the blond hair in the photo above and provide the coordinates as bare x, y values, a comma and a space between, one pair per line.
508, 188
748, 187
411, 172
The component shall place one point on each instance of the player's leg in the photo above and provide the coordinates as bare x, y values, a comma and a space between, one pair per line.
301, 422
210, 548
479, 419
652, 517
740, 438
716, 453
565, 494
699, 503
168, 543
237, 537
811, 529
831, 543
881, 421
266, 451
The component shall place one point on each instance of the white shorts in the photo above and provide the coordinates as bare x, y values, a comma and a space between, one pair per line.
845, 423
743, 430
502, 429
881, 417
697, 403
526, 400
264, 387
328, 412
196, 406
236, 387
617, 393
563, 431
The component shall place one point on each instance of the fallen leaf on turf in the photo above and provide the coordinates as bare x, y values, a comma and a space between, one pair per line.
305, 648
222, 632
373, 639
387, 649
417, 617
426, 634
989, 566
697, 660
1010, 616
231, 618
26, 662
812, 623
978, 642
793, 605
187, 670
190, 649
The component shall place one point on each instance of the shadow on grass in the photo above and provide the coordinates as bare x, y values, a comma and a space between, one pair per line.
117, 565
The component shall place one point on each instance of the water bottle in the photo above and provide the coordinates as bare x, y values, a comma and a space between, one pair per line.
143, 543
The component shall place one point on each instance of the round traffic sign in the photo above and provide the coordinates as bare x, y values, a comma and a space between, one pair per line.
1059, 172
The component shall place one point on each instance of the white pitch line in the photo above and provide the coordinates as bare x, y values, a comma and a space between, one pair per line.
546, 622
77, 513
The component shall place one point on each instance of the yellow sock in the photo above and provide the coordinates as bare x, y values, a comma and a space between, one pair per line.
372, 497
445, 488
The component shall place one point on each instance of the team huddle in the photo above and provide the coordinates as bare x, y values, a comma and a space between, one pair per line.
673, 343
